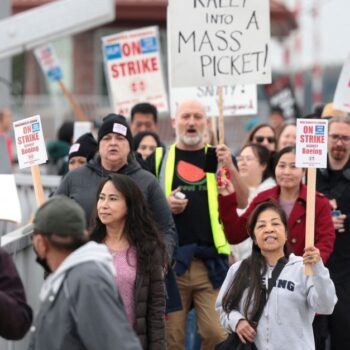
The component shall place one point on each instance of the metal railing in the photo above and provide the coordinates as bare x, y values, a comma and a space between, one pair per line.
26, 195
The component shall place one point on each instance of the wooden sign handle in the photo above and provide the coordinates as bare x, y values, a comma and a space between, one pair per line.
310, 214
76, 108
214, 129
38, 187
221, 116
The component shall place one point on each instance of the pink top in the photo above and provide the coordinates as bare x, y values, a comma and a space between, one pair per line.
124, 261
287, 206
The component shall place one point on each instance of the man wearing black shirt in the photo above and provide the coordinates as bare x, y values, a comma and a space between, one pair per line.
201, 261
334, 182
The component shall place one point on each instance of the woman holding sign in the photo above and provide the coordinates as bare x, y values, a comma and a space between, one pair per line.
266, 298
290, 194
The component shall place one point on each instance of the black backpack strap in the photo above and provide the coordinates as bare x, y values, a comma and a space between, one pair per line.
275, 273
272, 282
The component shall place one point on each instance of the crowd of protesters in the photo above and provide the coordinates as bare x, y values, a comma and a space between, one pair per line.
139, 237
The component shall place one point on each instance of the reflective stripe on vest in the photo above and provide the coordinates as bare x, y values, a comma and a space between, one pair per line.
166, 174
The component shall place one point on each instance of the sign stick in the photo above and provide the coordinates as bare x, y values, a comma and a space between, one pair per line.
76, 108
214, 129
310, 213
38, 187
221, 116
311, 153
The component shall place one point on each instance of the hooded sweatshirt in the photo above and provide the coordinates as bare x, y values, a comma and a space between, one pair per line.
286, 322
82, 184
80, 306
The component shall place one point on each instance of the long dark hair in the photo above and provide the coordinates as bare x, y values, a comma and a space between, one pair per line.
140, 228
249, 275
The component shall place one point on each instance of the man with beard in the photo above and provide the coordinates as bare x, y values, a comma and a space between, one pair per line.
334, 182
202, 256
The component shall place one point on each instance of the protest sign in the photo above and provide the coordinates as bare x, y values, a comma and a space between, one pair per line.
311, 143
219, 42
133, 69
30, 143
81, 128
311, 153
10, 208
342, 93
48, 62
31, 150
238, 100
51, 68
280, 94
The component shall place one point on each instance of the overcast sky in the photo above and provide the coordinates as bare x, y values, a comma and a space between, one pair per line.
334, 33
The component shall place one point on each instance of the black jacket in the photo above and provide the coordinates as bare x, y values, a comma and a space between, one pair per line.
15, 314
150, 307
336, 185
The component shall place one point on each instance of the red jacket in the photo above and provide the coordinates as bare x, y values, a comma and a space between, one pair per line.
235, 226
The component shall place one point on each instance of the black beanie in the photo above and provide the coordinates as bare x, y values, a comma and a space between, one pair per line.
84, 146
117, 124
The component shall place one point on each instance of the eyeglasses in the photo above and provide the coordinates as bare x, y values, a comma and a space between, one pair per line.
342, 138
260, 139
245, 159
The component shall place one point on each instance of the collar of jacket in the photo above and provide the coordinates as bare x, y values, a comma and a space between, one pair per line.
275, 193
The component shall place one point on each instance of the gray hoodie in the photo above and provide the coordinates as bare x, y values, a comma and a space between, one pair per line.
287, 318
82, 184
80, 306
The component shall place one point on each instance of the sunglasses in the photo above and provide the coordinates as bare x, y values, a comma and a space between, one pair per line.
260, 139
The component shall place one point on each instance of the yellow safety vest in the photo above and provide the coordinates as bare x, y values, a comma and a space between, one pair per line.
166, 175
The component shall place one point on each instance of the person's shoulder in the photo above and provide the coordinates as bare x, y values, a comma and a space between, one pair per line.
294, 259
87, 273
322, 199
320, 195
143, 175
234, 267
295, 265
270, 193
83, 170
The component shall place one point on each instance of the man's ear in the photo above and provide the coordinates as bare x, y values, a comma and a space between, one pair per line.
41, 244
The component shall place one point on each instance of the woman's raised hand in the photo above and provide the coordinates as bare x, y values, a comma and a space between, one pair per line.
311, 255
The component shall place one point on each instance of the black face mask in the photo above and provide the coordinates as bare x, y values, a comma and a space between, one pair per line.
42, 262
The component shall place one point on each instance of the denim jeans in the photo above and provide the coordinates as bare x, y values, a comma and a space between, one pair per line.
193, 340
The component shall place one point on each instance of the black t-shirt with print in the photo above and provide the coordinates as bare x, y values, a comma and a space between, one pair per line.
193, 224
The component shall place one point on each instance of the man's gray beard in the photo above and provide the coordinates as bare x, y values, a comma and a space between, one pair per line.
191, 141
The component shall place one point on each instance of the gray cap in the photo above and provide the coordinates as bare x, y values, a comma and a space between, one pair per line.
60, 215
